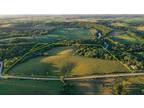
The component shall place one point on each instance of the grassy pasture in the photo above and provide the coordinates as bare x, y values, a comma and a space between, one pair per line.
119, 24
126, 39
72, 33
136, 20
40, 39
140, 28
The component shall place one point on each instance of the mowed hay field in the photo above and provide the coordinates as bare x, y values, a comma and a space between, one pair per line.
61, 61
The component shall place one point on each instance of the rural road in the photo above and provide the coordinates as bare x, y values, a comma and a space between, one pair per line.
76, 78
105, 76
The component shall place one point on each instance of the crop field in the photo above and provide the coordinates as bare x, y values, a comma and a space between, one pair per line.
65, 54
31, 87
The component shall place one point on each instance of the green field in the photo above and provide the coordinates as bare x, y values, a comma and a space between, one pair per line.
119, 24
31, 87
60, 33
90, 87
124, 39
62, 62
140, 28
127, 39
72, 33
